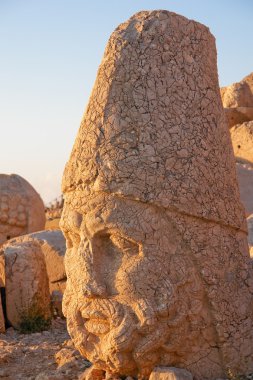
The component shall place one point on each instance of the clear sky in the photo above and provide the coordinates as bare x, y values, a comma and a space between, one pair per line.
50, 51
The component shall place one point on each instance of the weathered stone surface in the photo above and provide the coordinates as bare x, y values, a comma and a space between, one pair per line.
238, 115
156, 235
245, 179
27, 290
2, 284
250, 230
2, 269
238, 101
242, 140
92, 374
2, 322
170, 373
237, 95
53, 246
22, 210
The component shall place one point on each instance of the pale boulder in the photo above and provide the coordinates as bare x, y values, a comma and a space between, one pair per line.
245, 179
27, 290
93, 374
250, 230
242, 140
237, 95
237, 101
2, 321
21, 208
53, 247
238, 115
2, 285
2, 269
170, 373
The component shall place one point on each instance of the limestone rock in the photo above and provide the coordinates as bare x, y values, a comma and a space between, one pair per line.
2, 269
251, 252
2, 321
152, 214
238, 115
250, 230
237, 95
22, 210
245, 179
27, 291
92, 374
242, 140
52, 245
170, 373
2, 285
238, 101
64, 356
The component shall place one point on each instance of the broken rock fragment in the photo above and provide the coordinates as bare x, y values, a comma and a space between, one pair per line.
27, 290
21, 208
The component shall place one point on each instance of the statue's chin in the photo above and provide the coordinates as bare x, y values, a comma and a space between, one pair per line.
109, 343
120, 363
97, 349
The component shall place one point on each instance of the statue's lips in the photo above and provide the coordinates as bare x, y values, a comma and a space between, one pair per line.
95, 322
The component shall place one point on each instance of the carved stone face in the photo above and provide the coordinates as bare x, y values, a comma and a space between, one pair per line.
127, 272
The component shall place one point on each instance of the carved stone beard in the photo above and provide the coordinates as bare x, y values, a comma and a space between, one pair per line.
113, 335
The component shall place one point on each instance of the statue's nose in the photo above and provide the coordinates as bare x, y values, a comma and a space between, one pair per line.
92, 281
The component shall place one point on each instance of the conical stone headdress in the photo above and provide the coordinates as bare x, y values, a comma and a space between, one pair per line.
154, 128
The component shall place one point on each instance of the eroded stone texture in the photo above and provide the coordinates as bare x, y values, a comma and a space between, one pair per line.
242, 141
2, 322
170, 373
250, 229
21, 208
239, 94
2, 269
52, 245
2, 285
27, 290
245, 178
157, 258
238, 101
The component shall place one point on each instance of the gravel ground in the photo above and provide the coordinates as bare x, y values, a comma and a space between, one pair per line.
49, 355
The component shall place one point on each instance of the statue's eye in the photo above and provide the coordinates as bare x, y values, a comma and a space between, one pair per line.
126, 246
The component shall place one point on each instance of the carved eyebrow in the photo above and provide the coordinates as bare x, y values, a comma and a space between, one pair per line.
118, 231
98, 225
106, 222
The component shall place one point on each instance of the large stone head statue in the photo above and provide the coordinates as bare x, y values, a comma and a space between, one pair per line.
157, 260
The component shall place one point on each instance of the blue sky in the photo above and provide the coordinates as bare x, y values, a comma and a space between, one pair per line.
50, 51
